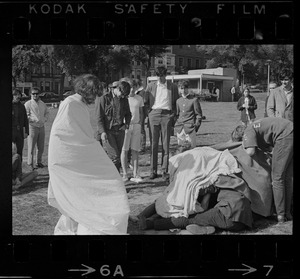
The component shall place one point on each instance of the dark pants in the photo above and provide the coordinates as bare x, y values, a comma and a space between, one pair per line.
16, 167
143, 135
160, 124
212, 217
17, 138
282, 173
114, 144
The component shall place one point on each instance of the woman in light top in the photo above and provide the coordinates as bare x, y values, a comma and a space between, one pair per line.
247, 105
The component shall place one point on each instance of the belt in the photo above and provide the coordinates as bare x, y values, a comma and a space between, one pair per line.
116, 127
163, 110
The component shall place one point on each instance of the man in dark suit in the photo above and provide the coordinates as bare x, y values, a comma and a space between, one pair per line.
20, 128
161, 97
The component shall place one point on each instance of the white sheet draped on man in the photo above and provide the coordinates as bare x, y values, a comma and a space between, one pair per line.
84, 184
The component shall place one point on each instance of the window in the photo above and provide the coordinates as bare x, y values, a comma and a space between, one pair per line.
197, 63
47, 86
36, 70
47, 69
160, 61
132, 62
138, 74
138, 63
168, 60
57, 87
189, 62
180, 62
42, 86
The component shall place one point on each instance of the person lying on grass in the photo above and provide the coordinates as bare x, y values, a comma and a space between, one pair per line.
227, 209
18, 178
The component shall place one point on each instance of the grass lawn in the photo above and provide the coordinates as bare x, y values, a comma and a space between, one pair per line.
33, 216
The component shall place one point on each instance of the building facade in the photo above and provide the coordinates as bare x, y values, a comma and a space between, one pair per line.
178, 59
187, 57
46, 77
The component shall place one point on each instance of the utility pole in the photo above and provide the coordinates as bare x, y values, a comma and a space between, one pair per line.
268, 84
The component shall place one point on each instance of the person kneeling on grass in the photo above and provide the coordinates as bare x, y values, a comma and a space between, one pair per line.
228, 209
274, 135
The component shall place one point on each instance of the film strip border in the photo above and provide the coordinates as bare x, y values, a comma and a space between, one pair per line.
149, 22
132, 257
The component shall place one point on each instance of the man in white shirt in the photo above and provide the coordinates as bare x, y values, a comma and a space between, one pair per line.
37, 113
161, 97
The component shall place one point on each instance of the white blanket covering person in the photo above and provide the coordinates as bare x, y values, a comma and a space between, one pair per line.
84, 184
189, 172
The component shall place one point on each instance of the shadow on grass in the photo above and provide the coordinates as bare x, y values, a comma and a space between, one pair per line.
36, 184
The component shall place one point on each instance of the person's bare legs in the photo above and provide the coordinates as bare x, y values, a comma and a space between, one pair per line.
135, 162
124, 162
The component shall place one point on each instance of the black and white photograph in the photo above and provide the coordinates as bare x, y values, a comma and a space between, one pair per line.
152, 139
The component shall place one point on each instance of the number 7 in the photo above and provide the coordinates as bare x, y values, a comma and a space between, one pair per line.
271, 267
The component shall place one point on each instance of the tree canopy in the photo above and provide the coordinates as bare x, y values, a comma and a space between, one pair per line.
106, 60
249, 60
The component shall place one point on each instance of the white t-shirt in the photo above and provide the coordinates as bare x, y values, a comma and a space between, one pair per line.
161, 98
135, 103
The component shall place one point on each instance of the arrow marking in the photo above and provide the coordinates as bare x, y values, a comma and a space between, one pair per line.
249, 270
88, 270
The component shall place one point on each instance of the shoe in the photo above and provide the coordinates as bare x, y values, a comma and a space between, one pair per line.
40, 165
153, 176
125, 178
289, 216
165, 176
136, 179
130, 166
17, 184
32, 168
281, 219
195, 229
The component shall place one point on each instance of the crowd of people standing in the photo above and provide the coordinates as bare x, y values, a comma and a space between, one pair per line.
121, 116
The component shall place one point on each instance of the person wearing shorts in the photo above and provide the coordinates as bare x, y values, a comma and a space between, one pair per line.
132, 138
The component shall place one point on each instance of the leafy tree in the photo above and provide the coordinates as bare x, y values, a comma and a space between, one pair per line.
280, 56
145, 54
249, 60
100, 60
24, 57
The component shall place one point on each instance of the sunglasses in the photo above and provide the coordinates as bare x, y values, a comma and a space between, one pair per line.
34, 93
